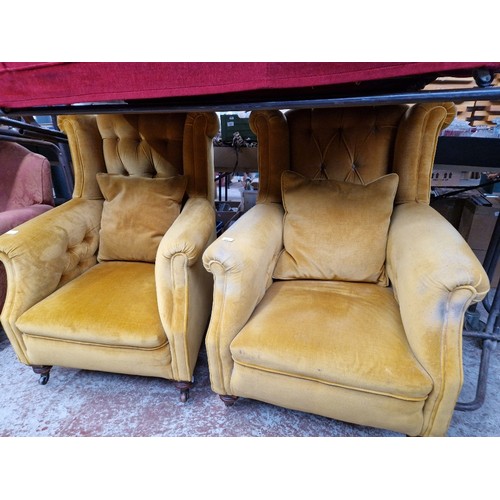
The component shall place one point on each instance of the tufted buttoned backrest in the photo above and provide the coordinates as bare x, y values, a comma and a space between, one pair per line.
147, 145
343, 144
143, 145
354, 144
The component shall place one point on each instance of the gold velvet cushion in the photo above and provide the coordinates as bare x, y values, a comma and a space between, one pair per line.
335, 230
137, 212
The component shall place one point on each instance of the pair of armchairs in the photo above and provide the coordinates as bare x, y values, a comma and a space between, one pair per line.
25, 191
341, 293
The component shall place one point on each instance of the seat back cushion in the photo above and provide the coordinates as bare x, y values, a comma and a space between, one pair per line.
137, 212
335, 230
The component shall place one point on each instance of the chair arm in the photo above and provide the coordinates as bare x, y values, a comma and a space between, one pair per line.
184, 288
44, 253
435, 276
190, 232
242, 261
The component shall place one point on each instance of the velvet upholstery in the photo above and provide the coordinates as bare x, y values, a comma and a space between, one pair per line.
383, 356
326, 224
136, 213
138, 303
25, 191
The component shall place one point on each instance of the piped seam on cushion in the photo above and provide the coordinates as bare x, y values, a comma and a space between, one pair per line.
95, 344
343, 386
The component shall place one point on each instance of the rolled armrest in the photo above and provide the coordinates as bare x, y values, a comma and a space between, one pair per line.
242, 261
435, 276
190, 232
44, 253
184, 287
426, 252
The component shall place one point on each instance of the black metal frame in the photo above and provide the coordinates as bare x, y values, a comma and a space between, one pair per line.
43, 133
244, 103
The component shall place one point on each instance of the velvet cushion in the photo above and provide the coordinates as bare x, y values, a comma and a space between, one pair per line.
318, 330
137, 212
335, 230
113, 304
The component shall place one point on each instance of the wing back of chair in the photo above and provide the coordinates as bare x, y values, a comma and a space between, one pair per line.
153, 145
356, 144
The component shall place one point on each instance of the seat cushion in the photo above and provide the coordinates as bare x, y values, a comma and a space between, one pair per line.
137, 212
112, 304
335, 230
342, 334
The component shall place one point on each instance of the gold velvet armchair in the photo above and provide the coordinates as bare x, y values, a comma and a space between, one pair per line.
342, 292
113, 279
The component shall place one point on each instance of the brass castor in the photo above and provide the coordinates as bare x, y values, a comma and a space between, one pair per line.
184, 390
43, 371
228, 400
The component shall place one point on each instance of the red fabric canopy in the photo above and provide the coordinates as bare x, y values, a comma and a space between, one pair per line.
25, 85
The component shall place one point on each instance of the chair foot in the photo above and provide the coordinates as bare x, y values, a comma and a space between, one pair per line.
43, 371
228, 400
184, 390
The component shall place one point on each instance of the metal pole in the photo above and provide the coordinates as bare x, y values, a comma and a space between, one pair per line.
237, 103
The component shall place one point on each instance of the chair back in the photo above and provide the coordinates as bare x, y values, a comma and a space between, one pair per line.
147, 145
352, 144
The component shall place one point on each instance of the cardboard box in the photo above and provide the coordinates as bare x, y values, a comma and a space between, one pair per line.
478, 222
450, 208
477, 226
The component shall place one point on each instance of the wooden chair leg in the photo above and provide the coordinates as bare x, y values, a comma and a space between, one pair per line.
228, 400
43, 371
184, 390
